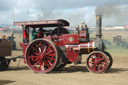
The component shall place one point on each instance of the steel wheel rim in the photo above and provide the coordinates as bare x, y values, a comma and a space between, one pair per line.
97, 62
41, 56
110, 60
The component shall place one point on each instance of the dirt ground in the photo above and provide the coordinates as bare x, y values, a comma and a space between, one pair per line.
69, 75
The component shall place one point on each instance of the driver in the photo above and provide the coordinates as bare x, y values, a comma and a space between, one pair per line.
40, 33
25, 35
34, 34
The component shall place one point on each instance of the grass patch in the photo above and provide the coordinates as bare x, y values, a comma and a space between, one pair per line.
117, 50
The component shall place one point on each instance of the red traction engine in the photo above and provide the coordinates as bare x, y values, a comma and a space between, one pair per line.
57, 47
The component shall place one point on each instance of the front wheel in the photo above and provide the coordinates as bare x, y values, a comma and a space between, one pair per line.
110, 61
97, 62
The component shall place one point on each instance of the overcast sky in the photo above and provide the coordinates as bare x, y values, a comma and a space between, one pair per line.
115, 12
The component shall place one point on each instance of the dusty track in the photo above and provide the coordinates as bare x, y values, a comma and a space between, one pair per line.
70, 75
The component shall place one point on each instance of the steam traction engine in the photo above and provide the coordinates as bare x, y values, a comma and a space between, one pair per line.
58, 48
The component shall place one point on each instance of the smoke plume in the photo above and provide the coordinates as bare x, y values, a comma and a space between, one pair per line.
113, 13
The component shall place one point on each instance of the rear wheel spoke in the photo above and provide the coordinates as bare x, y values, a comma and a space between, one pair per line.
43, 66
34, 58
35, 49
49, 47
36, 63
36, 53
46, 63
50, 63
92, 58
94, 67
40, 65
49, 52
40, 44
44, 49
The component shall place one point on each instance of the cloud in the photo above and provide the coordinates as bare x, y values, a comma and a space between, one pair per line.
75, 11
74, 16
6, 5
5, 17
54, 4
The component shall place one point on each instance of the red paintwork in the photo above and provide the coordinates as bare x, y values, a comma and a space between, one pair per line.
45, 23
58, 41
82, 34
70, 39
24, 46
48, 37
72, 56
69, 43
72, 49
36, 22
24, 34
86, 45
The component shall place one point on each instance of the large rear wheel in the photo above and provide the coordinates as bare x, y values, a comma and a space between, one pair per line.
42, 55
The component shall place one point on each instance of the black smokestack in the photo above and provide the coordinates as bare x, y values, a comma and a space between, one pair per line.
99, 42
98, 26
